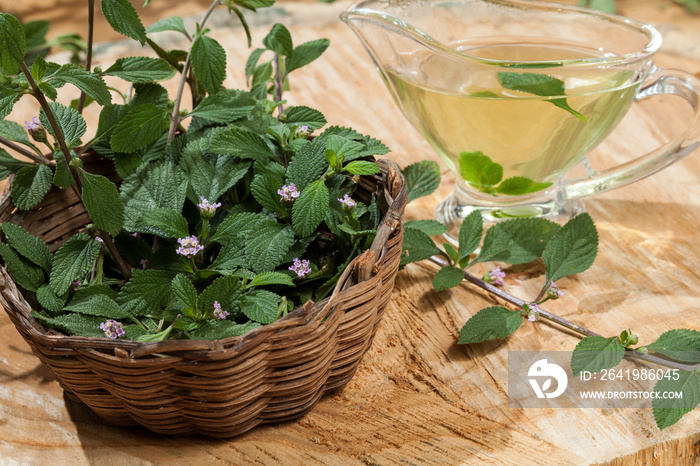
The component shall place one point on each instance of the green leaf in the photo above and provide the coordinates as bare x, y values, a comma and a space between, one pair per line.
141, 69
162, 222
184, 291
305, 116
62, 176
516, 241
342, 147
310, 208
208, 63
679, 344
264, 189
668, 411
72, 261
212, 176
307, 165
240, 224
489, 324
28, 245
49, 300
538, 84
99, 305
9, 164
429, 227
146, 292
35, 32
269, 245
225, 290
231, 257
572, 250
141, 126
470, 233
70, 122
279, 40
77, 324
220, 329
607, 6
479, 170
15, 132
519, 185
260, 306
447, 277
242, 143
102, 202
124, 19
422, 178
417, 246
38, 70
30, 186
90, 83
224, 107
252, 62
22, 271
7, 103
305, 53
12, 44
174, 23
593, 354
271, 278
361, 167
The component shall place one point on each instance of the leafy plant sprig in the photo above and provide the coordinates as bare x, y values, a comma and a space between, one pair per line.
566, 250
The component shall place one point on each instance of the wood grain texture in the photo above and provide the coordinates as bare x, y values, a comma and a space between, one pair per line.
418, 397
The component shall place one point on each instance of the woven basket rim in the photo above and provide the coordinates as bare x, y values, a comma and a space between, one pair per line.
174, 348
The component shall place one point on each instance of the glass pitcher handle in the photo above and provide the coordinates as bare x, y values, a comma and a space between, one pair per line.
659, 82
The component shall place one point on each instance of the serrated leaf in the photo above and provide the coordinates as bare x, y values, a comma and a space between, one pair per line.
90, 83
86, 293
38, 69
7, 103
470, 233
141, 69
147, 291
30, 186
517, 241
72, 261
231, 257
271, 278
174, 23
538, 84
519, 185
224, 107
305, 116
422, 178
208, 63
489, 324
49, 300
9, 164
141, 126
184, 291
279, 40
102, 202
22, 271
28, 245
593, 354
307, 165
162, 222
124, 19
343, 147
417, 246
252, 62
99, 305
220, 329
76, 324
479, 170
572, 250
668, 411
240, 224
310, 208
260, 306
361, 167
70, 122
679, 344
447, 277
62, 176
226, 291
268, 247
264, 189
12, 44
429, 227
305, 53
242, 143
15, 132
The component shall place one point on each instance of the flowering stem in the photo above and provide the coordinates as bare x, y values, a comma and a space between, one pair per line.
38, 158
118, 259
88, 58
561, 321
279, 83
175, 120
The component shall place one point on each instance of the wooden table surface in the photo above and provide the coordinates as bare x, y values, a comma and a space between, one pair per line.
418, 397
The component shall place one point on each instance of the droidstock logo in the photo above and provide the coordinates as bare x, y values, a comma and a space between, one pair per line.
541, 369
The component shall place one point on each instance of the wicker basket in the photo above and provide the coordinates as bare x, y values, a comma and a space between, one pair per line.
219, 388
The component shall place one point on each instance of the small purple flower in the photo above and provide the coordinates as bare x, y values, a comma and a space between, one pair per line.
100, 239
348, 202
207, 208
112, 329
218, 312
301, 131
554, 292
33, 125
533, 312
288, 192
144, 263
495, 276
75, 284
189, 246
300, 267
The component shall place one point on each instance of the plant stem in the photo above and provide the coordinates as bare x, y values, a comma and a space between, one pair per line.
175, 120
112, 248
561, 321
279, 83
88, 58
26, 152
